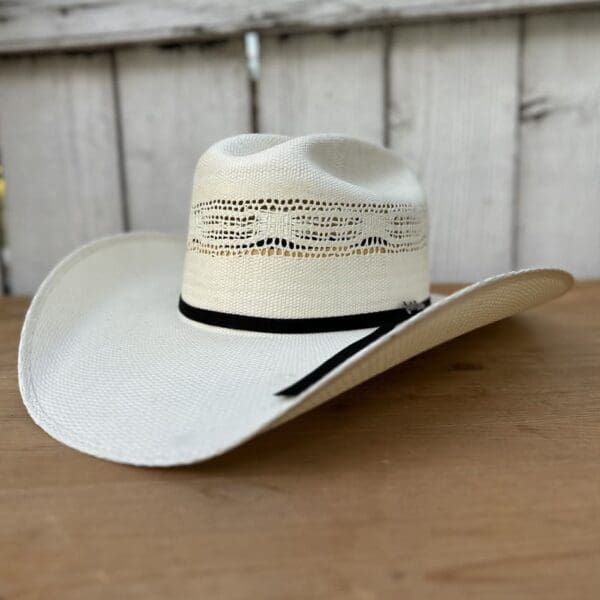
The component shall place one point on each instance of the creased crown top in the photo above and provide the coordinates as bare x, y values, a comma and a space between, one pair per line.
344, 168
317, 225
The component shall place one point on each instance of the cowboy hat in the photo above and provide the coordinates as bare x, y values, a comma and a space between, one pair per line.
305, 272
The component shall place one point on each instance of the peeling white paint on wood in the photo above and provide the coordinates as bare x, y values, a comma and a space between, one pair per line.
453, 116
502, 193
37, 25
559, 203
323, 83
59, 149
174, 104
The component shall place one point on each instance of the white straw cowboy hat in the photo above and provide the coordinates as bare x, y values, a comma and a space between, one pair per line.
305, 272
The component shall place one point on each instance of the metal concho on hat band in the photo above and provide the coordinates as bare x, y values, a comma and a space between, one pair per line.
384, 320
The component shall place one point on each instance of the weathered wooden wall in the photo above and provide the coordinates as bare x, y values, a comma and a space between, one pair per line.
499, 115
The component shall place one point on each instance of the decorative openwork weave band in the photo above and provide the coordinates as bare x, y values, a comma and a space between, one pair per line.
385, 321
304, 227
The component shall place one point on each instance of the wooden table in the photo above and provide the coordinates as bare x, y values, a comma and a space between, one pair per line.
473, 471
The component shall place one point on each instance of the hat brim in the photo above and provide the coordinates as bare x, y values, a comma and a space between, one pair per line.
109, 367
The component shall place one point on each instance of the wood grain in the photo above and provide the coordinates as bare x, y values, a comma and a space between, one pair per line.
37, 25
323, 83
175, 103
59, 148
453, 117
559, 208
468, 472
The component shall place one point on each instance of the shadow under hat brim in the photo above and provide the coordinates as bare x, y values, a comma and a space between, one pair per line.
109, 367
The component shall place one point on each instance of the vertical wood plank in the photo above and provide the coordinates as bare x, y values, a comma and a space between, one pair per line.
59, 147
323, 83
559, 212
175, 102
453, 115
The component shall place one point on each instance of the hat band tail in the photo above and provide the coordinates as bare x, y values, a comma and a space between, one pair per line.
385, 321
344, 354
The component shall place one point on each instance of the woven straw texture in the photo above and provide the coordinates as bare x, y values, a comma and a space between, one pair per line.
314, 226
311, 226
108, 366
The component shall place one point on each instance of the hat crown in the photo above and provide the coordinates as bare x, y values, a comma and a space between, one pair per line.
311, 226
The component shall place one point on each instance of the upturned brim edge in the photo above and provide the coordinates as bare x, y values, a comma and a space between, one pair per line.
81, 385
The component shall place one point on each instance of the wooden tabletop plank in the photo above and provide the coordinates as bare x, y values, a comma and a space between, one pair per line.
469, 472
